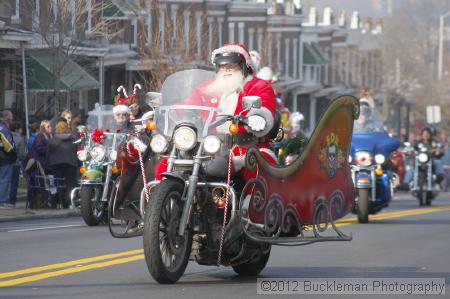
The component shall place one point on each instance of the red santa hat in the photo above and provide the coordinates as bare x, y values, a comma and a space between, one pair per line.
235, 48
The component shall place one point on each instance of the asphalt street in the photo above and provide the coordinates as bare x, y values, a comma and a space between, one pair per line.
63, 258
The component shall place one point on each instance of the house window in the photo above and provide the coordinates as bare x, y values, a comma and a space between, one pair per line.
134, 29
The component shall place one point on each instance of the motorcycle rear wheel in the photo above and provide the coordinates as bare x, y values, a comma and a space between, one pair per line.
166, 257
92, 210
363, 205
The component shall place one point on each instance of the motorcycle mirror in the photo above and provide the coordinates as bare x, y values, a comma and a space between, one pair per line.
153, 99
81, 129
147, 116
251, 102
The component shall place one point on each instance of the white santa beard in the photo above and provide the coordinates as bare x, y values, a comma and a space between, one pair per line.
222, 84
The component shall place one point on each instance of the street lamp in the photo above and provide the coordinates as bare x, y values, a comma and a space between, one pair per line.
441, 41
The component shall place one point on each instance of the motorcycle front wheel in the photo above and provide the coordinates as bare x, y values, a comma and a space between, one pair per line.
92, 210
166, 254
363, 205
252, 268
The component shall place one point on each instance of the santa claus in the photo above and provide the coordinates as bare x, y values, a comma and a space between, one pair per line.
235, 80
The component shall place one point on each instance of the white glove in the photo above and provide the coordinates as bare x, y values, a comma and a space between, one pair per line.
238, 162
256, 123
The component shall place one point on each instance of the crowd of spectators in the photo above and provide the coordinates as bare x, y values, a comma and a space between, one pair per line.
47, 161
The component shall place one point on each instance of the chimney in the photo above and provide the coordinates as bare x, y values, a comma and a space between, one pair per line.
289, 7
378, 27
368, 25
313, 16
327, 16
354, 23
342, 21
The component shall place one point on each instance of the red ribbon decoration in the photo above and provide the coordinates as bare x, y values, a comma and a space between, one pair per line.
98, 136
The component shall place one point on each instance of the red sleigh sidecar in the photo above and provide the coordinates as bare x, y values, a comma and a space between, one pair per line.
314, 190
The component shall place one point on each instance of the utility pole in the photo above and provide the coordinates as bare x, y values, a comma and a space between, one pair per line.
441, 43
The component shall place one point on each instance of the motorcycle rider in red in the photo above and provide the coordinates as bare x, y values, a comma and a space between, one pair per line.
235, 78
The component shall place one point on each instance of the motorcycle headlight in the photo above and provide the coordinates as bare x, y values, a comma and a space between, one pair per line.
185, 138
82, 155
98, 153
211, 145
423, 157
158, 144
379, 159
363, 158
350, 159
113, 155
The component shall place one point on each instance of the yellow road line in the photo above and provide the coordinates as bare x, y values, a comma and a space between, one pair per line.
67, 271
70, 263
398, 214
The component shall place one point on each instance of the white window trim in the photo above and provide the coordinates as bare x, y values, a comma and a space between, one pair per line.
241, 27
220, 41
73, 17
295, 55
251, 38
187, 20
198, 31
278, 50
210, 22
16, 18
260, 39
36, 17
89, 16
231, 32
162, 21
55, 9
300, 56
173, 11
149, 27
270, 48
287, 43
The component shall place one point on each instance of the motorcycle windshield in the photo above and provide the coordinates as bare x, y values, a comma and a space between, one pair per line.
369, 121
183, 101
101, 118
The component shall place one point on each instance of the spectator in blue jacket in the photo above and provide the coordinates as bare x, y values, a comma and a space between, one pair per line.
8, 155
34, 127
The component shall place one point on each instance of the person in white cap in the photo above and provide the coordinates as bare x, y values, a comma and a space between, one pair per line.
121, 110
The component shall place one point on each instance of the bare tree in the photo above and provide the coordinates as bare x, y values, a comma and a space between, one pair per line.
410, 48
62, 25
173, 48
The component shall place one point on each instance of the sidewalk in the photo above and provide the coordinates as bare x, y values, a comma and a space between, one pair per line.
21, 213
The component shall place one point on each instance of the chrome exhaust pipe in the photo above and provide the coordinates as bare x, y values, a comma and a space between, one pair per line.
73, 196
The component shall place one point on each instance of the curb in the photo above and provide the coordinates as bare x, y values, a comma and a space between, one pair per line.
43, 216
